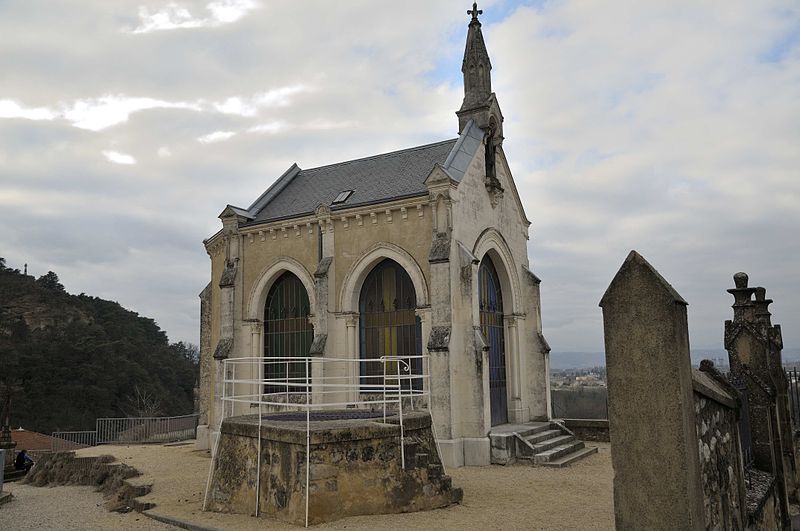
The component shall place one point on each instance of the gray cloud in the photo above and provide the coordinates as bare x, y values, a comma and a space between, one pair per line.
664, 128
669, 128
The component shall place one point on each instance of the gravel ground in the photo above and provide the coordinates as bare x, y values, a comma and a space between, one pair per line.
66, 509
495, 497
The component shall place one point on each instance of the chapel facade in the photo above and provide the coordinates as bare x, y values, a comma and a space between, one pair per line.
418, 251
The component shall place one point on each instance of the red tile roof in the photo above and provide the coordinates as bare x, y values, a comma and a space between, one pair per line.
31, 440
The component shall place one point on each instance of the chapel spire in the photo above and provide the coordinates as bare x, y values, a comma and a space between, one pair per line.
476, 66
479, 102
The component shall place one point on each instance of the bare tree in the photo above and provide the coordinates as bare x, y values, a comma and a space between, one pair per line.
142, 403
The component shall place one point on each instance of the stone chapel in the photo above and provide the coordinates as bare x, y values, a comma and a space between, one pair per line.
431, 238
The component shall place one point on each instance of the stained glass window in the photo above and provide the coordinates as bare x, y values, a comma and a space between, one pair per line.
389, 325
490, 305
287, 333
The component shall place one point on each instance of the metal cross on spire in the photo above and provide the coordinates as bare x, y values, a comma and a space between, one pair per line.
475, 11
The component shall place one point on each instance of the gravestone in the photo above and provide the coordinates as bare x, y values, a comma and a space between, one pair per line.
650, 402
754, 347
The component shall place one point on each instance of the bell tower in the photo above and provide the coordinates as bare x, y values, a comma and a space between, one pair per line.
480, 103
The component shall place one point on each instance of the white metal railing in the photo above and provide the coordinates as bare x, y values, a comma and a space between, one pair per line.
65, 441
143, 430
130, 430
324, 384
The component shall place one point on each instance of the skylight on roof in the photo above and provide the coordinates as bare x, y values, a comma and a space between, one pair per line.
342, 197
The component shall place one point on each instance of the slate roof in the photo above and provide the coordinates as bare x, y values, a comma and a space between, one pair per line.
375, 179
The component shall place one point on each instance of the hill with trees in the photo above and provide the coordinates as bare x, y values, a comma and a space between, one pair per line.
69, 359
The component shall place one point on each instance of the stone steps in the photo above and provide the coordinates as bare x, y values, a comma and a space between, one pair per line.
542, 436
535, 428
571, 458
552, 443
556, 452
434, 469
539, 443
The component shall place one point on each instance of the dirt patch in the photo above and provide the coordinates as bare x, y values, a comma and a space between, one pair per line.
495, 497
67, 509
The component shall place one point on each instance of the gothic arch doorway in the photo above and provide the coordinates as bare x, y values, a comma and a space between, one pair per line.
490, 304
388, 324
287, 333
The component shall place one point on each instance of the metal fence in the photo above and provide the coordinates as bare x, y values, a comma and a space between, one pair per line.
143, 430
67, 441
131, 430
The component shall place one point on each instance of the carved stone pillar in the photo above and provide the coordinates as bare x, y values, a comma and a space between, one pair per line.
425, 331
256, 338
256, 369
515, 362
351, 320
548, 390
224, 347
513, 353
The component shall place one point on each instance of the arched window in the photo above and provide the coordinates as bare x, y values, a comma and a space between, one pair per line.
490, 304
388, 323
287, 333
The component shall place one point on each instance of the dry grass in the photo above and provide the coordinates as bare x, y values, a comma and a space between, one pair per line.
495, 497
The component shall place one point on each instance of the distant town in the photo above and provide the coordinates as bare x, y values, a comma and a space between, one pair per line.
581, 391
588, 377
584, 363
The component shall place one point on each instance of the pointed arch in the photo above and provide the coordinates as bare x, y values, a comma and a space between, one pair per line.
388, 323
268, 276
354, 280
492, 243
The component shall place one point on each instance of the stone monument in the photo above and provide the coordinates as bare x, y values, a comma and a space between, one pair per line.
754, 347
649, 389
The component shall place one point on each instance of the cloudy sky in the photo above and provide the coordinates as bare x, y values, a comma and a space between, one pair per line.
671, 127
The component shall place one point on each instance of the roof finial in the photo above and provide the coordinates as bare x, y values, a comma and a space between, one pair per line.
475, 12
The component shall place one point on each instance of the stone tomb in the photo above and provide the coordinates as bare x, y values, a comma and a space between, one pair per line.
355, 466
417, 252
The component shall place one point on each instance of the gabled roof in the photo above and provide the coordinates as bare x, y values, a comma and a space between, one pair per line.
372, 179
375, 179
231, 210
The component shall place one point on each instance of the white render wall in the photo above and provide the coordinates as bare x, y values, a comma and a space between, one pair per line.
501, 231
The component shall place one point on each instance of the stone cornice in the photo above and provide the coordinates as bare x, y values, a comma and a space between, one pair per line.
214, 240
216, 246
405, 208
385, 212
